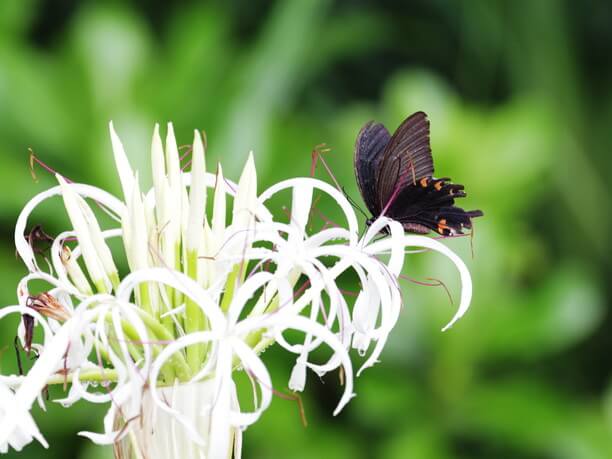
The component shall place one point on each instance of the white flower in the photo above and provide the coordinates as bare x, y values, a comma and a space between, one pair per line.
202, 300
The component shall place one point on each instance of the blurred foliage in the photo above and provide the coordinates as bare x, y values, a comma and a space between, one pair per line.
521, 109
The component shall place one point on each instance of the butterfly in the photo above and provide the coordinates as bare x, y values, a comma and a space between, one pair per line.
395, 177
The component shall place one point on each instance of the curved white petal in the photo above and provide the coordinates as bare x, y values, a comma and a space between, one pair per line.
122, 163
422, 241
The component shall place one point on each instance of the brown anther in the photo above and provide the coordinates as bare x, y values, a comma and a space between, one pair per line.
438, 185
47, 305
36, 236
66, 254
423, 182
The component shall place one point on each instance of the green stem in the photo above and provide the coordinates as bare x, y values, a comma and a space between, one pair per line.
134, 338
115, 281
167, 319
101, 375
177, 361
194, 317
144, 300
255, 339
230, 287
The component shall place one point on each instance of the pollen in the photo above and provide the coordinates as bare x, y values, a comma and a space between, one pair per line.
423, 182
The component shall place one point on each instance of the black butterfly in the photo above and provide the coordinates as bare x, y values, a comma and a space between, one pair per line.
395, 177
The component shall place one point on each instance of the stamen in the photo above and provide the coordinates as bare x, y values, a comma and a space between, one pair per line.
312, 207
435, 283
123, 429
317, 154
227, 241
348, 292
291, 397
300, 290
328, 222
66, 366
315, 157
34, 160
391, 199
188, 149
230, 185
186, 166
38, 235
287, 213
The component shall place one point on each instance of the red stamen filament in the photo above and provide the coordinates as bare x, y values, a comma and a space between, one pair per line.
291, 397
434, 283
317, 154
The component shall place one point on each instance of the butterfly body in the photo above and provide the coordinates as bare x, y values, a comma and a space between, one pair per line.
395, 176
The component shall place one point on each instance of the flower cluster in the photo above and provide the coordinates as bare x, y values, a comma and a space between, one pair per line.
205, 294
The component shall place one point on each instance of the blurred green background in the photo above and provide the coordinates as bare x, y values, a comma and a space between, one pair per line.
520, 100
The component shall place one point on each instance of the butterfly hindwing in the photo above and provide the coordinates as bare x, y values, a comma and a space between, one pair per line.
429, 206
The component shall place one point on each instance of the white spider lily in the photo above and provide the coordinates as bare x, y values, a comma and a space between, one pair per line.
201, 301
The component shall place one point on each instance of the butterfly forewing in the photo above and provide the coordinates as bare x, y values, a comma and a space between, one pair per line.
369, 146
406, 159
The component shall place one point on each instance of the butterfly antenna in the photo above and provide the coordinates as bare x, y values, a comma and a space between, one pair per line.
353, 203
356, 206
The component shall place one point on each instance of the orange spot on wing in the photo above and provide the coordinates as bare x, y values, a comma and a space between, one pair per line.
442, 226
